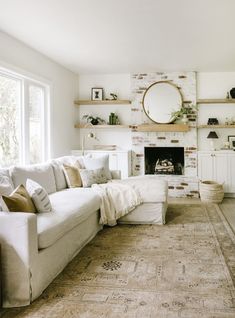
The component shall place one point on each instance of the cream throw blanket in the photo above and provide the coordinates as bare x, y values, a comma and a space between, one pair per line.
116, 200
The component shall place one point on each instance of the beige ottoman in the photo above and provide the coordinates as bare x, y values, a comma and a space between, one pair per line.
154, 194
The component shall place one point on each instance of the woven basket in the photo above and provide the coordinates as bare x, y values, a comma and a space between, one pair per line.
211, 191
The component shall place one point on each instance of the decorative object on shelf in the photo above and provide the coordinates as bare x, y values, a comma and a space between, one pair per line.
93, 120
113, 96
232, 92
113, 119
231, 140
226, 146
159, 99
212, 121
227, 95
212, 136
96, 93
89, 135
183, 112
226, 121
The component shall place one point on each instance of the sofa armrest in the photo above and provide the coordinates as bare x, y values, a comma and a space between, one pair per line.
116, 174
18, 239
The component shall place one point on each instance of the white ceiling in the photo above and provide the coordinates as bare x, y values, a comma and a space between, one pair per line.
116, 36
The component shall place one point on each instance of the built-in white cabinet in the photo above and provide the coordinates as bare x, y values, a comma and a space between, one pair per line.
232, 173
218, 166
118, 159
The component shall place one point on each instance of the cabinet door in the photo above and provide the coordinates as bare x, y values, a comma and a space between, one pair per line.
231, 173
221, 168
206, 166
113, 161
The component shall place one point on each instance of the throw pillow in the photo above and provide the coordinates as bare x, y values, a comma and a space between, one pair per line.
39, 196
97, 163
42, 173
72, 176
90, 177
19, 201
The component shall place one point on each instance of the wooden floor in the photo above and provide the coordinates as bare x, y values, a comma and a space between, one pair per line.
227, 207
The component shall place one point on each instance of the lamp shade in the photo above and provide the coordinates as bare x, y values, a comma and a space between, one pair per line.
212, 135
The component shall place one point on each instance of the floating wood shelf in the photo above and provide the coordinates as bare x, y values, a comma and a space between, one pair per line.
102, 102
216, 101
143, 128
163, 127
216, 126
82, 126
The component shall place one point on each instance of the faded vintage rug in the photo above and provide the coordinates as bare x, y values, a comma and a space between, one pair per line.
185, 268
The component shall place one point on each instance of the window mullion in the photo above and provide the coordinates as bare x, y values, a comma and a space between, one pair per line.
25, 123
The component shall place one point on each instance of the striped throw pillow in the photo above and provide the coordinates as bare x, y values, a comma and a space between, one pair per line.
39, 196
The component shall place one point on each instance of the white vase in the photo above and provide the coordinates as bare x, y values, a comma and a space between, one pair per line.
184, 119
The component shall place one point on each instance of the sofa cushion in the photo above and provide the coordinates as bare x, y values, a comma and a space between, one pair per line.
41, 173
57, 165
19, 201
70, 207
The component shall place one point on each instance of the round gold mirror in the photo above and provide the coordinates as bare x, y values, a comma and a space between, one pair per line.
160, 100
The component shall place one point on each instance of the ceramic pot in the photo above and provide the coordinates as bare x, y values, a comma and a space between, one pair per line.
94, 121
184, 119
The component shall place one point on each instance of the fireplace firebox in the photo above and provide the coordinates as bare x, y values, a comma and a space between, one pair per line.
164, 160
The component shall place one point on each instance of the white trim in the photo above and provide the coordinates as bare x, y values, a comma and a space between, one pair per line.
19, 72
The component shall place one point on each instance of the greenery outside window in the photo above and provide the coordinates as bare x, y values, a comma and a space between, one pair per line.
24, 120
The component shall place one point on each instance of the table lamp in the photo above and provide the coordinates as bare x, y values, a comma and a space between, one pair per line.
212, 136
89, 135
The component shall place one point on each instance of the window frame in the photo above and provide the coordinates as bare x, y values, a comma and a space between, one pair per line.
25, 83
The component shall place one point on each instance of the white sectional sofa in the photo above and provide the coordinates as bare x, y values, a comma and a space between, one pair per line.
36, 247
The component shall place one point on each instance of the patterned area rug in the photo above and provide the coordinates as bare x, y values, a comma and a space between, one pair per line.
183, 269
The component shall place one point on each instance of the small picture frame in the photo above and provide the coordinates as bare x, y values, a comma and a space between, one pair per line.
96, 93
231, 140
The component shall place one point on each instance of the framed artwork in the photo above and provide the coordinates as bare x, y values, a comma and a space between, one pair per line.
96, 93
231, 140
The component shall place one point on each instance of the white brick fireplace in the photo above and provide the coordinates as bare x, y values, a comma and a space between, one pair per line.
185, 185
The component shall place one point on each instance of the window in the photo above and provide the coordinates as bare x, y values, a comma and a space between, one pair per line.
24, 109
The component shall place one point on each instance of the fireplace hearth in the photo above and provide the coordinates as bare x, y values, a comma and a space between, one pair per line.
164, 160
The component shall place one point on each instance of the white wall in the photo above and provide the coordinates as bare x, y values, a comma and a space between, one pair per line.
112, 83
214, 85
19, 57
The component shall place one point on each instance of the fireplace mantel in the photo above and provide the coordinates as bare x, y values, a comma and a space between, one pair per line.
163, 127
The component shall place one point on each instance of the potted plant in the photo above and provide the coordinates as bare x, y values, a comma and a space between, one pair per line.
93, 120
183, 112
